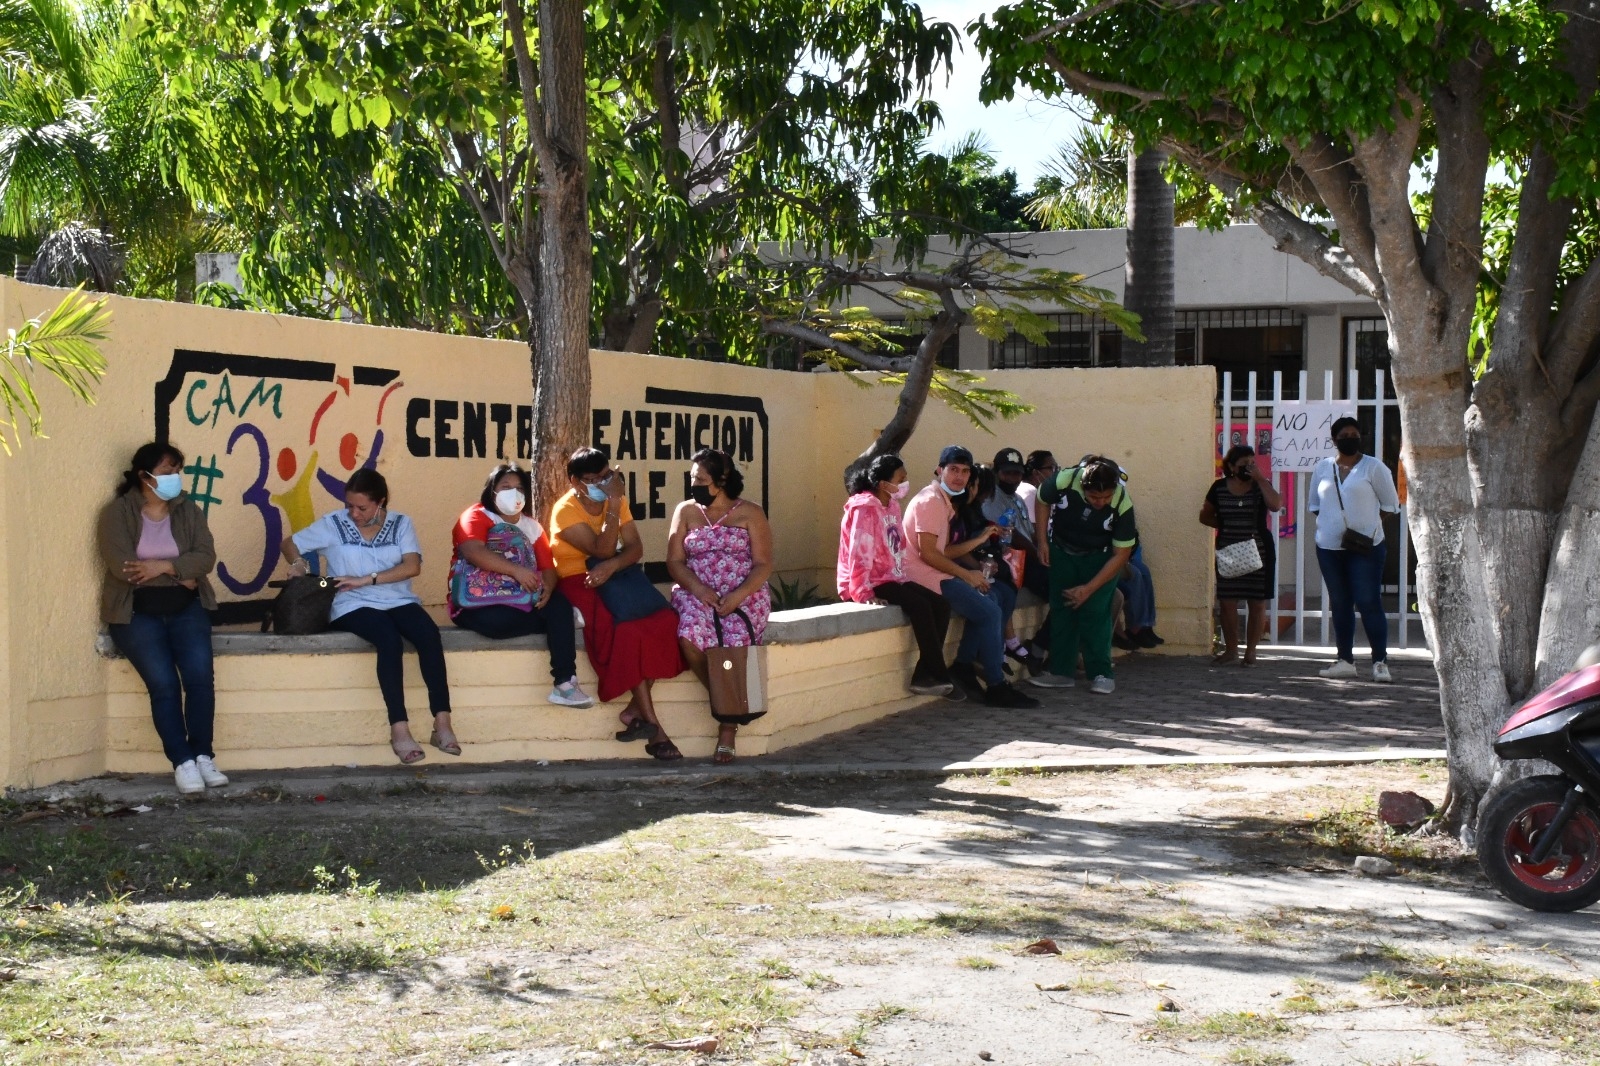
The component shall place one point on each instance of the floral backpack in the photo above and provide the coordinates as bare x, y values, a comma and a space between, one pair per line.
472, 587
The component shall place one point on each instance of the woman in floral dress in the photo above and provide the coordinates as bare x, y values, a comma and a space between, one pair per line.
720, 555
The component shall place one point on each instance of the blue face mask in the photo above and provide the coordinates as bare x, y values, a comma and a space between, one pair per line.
167, 486
597, 493
948, 491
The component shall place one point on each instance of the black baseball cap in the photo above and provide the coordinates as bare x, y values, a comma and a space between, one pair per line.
1008, 459
955, 453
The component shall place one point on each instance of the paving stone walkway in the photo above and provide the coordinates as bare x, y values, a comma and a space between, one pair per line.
1164, 706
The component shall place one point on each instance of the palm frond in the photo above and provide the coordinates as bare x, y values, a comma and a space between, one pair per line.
75, 254
1085, 185
65, 344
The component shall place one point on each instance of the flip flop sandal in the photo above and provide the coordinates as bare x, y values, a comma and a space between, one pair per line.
407, 756
665, 750
637, 729
724, 755
449, 747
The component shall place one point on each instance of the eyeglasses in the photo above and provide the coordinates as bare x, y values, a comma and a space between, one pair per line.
599, 480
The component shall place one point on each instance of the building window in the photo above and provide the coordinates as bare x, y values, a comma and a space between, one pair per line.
1366, 351
1260, 339
1071, 340
1266, 340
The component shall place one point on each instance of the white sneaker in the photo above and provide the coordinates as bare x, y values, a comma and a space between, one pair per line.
209, 773
1102, 686
1380, 673
1339, 671
187, 776
1051, 681
568, 694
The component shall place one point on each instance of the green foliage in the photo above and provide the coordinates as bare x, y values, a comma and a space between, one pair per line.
794, 595
64, 344
1001, 207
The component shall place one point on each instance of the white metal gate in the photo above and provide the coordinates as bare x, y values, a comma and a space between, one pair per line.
1254, 408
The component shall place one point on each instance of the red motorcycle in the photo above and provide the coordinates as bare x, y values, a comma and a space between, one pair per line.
1539, 839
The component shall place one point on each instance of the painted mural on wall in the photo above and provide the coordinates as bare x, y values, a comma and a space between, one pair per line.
271, 441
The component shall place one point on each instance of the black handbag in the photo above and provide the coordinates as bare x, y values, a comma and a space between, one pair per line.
302, 606
628, 594
1357, 543
163, 601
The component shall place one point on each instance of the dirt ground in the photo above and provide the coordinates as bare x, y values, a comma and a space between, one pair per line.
1198, 914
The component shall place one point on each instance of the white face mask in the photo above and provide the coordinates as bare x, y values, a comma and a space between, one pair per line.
510, 501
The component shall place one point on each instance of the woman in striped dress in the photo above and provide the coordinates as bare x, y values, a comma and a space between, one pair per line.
1237, 507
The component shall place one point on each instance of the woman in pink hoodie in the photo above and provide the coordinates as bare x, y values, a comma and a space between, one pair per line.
872, 568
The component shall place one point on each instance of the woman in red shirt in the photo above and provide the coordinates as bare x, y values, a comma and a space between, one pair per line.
503, 578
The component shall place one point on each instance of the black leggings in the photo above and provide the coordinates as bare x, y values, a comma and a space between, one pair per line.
384, 630
929, 614
554, 621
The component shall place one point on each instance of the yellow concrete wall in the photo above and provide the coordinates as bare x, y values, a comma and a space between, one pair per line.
275, 411
1157, 423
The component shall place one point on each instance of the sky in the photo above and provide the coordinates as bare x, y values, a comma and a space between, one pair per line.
1023, 133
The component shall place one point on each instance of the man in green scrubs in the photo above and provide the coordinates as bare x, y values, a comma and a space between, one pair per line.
1092, 534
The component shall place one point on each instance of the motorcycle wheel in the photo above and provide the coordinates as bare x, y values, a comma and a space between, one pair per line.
1569, 878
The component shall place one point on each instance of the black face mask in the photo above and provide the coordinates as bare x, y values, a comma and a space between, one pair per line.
1241, 473
700, 494
1348, 445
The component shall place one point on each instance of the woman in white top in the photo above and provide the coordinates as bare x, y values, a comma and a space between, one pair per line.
1349, 494
372, 555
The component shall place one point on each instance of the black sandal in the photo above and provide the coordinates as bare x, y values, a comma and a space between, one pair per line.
637, 729
665, 750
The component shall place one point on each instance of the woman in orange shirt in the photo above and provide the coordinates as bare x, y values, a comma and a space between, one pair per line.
593, 539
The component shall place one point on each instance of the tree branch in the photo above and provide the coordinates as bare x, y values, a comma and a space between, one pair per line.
667, 111
528, 76
1292, 234
1573, 334
1072, 20
818, 339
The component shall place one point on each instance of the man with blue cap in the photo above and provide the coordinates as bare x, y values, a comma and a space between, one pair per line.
930, 562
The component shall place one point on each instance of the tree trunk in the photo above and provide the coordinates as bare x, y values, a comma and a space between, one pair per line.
1428, 337
1570, 617
1148, 275
914, 392
561, 391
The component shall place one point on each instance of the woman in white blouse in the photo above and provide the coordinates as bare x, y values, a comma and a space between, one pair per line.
1349, 493
372, 555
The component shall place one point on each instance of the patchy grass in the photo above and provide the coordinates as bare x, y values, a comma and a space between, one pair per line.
1515, 1006
870, 1019
1228, 1025
977, 962
1250, 1055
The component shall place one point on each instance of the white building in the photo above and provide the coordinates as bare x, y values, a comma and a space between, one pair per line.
1241, 304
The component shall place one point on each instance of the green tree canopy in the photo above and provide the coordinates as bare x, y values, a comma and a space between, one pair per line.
1313, 116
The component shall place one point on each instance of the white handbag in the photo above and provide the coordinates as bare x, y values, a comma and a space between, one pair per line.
1237, 560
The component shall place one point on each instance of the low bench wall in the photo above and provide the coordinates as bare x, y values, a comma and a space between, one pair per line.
295, 702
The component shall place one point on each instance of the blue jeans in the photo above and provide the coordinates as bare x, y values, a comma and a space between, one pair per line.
1354, 581
982, 638
172, 654
1138, 594
554, 621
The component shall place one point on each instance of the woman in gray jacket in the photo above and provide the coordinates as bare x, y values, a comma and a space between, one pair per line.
155, 600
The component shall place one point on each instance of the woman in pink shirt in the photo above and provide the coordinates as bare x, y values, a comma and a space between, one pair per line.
872, 568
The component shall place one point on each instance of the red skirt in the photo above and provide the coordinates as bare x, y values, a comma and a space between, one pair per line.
625, 654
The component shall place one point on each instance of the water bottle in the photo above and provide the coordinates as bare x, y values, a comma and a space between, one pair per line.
1005, 522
